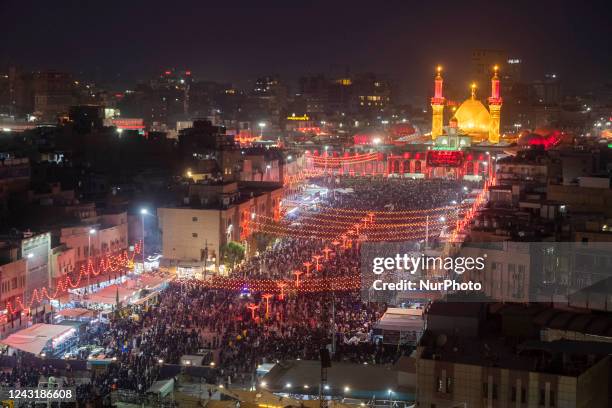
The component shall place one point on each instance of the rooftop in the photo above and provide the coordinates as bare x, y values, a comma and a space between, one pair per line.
352, 380
496, 351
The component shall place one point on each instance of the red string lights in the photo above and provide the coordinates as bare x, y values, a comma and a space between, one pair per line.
108, 263
282, 287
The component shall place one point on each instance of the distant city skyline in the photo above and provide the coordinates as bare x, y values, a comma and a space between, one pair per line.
123, 43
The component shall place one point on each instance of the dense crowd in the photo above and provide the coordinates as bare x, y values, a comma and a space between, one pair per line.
394, 194
192, 319
289, 254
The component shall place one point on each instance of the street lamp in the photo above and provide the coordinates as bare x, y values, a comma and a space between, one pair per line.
262, 125
143, 212
92, 231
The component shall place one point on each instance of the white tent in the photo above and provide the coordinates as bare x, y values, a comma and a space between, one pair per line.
75, 313
108, 295
400, 319
35, 338
151, 281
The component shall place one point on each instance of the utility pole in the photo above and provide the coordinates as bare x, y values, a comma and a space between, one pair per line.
333, 322
426, 232
325, 364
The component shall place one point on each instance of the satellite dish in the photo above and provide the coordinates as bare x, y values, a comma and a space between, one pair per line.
441, 340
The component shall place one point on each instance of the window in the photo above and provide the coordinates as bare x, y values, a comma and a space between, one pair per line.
194, 219
194, 234
523, 396
552, 399
485, 390
440, 383
449, 385
542, 396
513, 394
494, 393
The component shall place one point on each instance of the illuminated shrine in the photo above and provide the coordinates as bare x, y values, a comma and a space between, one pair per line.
471, 120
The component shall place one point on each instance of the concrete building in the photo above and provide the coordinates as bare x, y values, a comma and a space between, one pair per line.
12, 286
482, 62
213, 215
54, 93
481, 374
497, 358
110, 236
63, 262
584, 197
14, 180
506, 276
344, 380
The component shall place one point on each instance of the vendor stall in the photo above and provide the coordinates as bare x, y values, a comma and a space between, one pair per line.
42, 339
400, 326
76, 314
110, 296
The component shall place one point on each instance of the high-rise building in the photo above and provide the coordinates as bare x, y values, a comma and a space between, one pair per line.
547, 91
512, 70
364, 95
313, 90
483, 60
54, 93
372, 94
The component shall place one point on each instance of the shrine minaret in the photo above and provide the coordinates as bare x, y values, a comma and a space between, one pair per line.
437, 106
495, 104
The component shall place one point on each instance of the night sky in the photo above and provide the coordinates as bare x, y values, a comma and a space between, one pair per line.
238, 40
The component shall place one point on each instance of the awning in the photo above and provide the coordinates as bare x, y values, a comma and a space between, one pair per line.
108, 295
144, 299
35, 338
402, 320
151, 281
75, 313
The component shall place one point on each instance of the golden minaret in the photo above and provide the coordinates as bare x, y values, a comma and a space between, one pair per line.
437, 106
495, 104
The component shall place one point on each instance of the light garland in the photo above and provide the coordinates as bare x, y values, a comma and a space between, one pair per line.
377, 213
108, 263
278, 287
471, 213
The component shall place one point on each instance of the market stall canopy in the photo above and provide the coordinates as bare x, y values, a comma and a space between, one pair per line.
152, 281
264, 398
108, 295
76, 313
34, 339
399, 319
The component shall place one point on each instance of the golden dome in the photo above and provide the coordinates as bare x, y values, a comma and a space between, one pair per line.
473, 117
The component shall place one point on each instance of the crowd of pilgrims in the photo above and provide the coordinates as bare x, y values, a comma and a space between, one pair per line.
289, 254
393, 194
191, 318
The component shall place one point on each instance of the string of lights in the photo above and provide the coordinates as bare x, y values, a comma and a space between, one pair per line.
328, 225
109, 263
278, 287
466, 220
